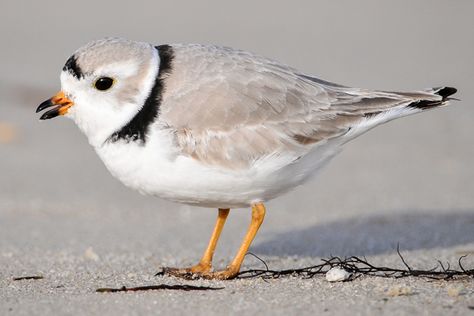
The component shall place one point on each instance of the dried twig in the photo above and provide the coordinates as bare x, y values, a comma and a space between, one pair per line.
31, 277
359, 266
183, 287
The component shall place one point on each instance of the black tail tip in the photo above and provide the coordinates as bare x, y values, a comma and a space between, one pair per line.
445, 92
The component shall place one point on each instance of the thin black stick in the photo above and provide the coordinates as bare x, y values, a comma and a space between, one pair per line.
184, 287
359, 267
31, 277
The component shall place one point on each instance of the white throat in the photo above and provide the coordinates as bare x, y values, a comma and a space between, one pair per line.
99, 114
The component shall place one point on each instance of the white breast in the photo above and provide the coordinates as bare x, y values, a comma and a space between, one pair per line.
157, 169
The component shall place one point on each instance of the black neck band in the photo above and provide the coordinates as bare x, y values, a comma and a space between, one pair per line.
137, 128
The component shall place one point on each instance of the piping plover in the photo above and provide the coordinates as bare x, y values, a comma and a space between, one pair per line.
215, 127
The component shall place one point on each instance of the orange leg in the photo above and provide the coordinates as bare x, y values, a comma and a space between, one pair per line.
258, 214
203, 268
205, 264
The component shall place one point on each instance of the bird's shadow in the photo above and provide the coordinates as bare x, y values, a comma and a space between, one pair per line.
373, 235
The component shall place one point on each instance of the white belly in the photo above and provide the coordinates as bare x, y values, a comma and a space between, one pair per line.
155, 169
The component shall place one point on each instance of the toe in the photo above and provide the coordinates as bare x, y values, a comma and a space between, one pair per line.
195, 272
226, 274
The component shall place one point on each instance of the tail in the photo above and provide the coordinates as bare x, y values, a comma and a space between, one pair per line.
426, 104
407, 103
401, 104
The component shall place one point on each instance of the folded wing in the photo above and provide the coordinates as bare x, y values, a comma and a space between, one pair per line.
233, 108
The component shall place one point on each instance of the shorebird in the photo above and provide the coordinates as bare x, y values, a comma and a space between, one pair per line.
215, 127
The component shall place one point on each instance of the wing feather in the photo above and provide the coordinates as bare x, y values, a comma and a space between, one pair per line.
231, 108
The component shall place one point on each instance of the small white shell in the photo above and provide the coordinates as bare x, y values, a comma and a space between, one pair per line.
337, 274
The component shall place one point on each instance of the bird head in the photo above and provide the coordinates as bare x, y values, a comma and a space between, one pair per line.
104, 85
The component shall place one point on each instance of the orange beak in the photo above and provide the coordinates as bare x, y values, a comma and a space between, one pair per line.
61, 102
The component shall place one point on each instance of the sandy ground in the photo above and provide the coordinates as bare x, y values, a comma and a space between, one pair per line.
411, 182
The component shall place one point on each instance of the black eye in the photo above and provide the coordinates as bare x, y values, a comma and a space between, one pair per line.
104, 83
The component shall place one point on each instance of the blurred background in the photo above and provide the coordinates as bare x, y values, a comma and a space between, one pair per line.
409, 181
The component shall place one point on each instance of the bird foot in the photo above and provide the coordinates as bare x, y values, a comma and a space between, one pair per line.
227, 274
200, 272
194, 272
183, 273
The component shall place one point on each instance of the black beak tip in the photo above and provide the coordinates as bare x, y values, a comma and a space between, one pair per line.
46, 104
43, 117
50, 114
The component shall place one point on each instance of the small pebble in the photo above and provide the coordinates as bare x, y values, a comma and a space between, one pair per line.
91, 255
399, 290
337, 274
455, 291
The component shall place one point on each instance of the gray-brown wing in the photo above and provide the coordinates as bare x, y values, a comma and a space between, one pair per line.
232, 108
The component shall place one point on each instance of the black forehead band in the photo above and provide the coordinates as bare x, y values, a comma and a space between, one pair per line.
72, 67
